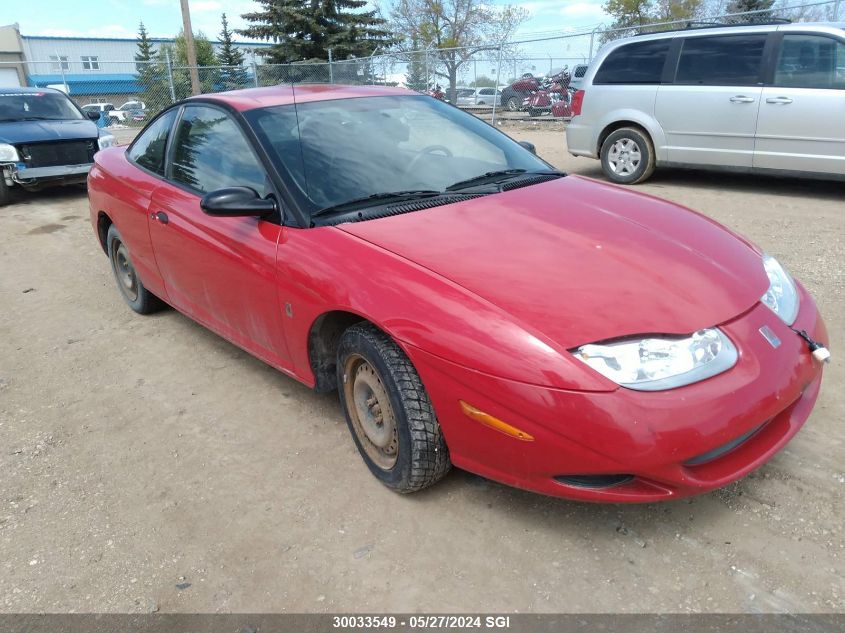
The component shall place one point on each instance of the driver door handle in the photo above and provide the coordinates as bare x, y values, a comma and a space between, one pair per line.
742, 99
160, 216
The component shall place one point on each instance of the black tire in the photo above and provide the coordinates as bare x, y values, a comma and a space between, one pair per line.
415, 455
513, 104
533, 112
129, 283
621, 167
5, 191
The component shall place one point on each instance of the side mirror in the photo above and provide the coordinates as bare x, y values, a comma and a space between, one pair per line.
94, 115
529, 146
237, 201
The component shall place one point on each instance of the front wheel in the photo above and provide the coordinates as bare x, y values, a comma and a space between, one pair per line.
627, 156
513, 104
5, 191
388, 411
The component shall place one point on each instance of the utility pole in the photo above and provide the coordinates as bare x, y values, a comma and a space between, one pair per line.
191, 50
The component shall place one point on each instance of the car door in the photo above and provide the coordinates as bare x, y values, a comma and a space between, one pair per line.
801, 125
709, 111
218, 270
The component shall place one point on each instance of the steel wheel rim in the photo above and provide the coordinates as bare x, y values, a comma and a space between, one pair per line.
373, 418
127, 279
512, 104
624, 157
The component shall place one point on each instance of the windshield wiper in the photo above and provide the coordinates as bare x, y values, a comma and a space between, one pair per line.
387, 196
494, 176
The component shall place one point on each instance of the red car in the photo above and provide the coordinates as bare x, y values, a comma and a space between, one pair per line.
472, 305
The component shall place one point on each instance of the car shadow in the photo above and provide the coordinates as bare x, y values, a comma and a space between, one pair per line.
730, 182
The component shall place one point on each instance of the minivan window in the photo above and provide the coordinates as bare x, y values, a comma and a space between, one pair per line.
724, 60
637, 63
811, 61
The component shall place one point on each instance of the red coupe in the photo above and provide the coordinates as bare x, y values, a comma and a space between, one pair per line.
472, 305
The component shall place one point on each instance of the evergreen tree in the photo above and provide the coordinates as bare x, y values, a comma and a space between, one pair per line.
231, 58
148, 70
415, 74
304, 30
761, 6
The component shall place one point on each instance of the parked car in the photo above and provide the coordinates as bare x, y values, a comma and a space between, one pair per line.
133, 105
577, 80
513, 96
115, 115
44, 140
765, 98
478, 97
385, 244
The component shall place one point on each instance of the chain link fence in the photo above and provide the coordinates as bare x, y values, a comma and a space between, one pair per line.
525, 79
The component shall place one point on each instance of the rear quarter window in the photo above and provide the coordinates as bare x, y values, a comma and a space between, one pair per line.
635, 63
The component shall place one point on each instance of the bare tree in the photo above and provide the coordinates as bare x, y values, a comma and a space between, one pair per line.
454, 30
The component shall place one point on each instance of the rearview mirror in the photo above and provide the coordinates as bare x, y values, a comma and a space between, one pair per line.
94, 115
529, 146
237, 201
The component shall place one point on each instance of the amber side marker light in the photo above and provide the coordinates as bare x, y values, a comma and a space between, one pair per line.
494, 423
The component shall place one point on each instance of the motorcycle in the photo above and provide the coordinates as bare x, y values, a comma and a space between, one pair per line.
553, 90
436, 92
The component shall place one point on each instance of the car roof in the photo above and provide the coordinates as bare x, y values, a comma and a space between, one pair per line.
27, 90
252, 98
828, 27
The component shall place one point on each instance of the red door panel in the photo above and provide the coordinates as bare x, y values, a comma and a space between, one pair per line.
220, 271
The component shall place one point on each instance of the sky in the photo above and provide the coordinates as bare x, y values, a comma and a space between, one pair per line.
120, 18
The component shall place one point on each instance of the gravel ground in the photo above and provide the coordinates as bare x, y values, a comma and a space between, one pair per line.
146, 464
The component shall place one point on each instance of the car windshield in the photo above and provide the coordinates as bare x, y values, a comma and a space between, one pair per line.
37, 106
348, 149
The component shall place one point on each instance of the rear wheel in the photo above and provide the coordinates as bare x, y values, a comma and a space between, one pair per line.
627, 156
388, 411
129, 283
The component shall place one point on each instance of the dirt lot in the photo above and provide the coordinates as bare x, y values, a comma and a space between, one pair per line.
146, 464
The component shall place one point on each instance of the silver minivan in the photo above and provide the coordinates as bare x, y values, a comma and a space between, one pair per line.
762, 98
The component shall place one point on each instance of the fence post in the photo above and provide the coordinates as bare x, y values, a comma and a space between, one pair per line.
254, 72
170, 76
498, 77
331, 73
65, 87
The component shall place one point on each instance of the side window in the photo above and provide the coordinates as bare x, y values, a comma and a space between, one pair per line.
148, 149
811, 61
727, 60
637, 63
211, 153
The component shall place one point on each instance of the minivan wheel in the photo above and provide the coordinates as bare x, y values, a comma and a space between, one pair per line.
389, 412
627, 156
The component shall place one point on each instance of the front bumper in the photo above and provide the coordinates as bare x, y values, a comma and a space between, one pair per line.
22, 175
671, 444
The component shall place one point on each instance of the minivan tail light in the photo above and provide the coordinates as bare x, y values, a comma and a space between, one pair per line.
577, 102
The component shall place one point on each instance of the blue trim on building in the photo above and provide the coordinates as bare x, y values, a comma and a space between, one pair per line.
116, 83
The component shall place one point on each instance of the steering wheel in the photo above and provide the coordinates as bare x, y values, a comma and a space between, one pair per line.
425, 152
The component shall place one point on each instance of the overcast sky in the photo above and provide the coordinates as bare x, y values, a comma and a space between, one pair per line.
119, 18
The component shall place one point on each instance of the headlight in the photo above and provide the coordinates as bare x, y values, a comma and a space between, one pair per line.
8, 154
106, 140
782, 296
654, 364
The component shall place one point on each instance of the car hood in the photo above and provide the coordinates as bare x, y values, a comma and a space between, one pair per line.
39, 131
575, 261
